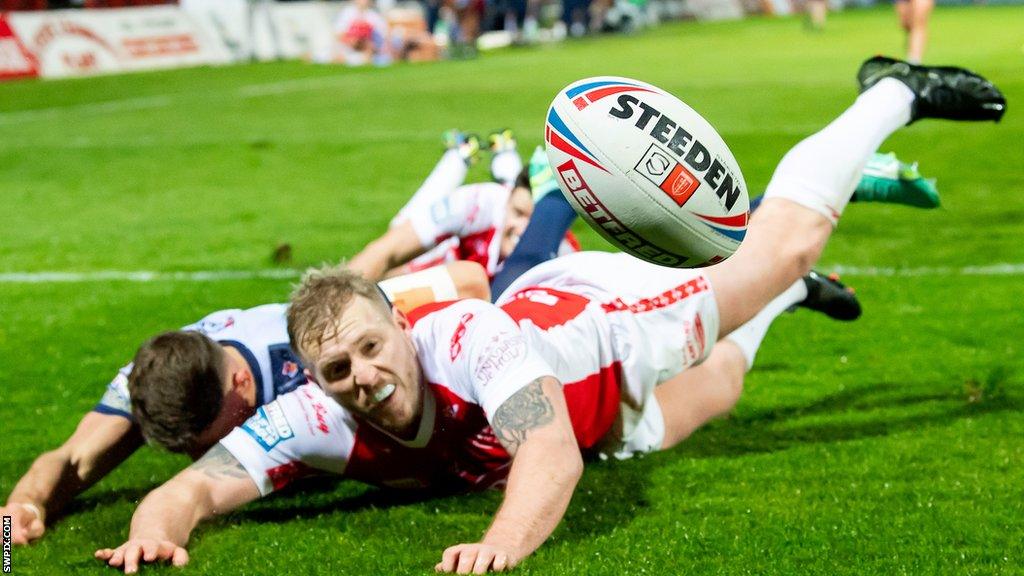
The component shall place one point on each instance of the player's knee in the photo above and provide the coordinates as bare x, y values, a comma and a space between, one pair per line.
796, 258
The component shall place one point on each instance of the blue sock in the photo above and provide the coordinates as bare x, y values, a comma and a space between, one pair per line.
551, 219
755, 203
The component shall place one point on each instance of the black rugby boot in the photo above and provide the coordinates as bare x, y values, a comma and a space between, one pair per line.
941, 91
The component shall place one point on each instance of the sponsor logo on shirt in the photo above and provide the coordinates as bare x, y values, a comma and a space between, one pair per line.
285, 369
268, 426
695, 342
289, 369
209, 326
502, 352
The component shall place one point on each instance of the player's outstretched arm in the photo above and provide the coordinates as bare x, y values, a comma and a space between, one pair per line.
396, 247
533, 425
215, 484
453, 281
98, 445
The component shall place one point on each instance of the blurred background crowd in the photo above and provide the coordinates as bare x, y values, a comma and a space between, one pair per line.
52, 38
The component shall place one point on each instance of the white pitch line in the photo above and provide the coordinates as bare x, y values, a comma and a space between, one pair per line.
986, 270
110, 106
291, 274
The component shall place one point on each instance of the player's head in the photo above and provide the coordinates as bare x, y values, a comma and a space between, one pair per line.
520, 208
188, 392
357, 348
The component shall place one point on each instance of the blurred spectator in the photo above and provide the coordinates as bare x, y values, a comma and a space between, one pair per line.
817, 13
507, 15
626, 16
362, 34
410, 37
914, 19
459, 21
574, 18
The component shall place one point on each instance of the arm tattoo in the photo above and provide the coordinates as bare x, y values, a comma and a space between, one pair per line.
219, 463
523, 411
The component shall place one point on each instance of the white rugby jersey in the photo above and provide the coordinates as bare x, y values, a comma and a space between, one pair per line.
260, 334
467, 224
608, 333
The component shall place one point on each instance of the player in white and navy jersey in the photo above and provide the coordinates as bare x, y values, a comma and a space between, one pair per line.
259, 335
190, 387
586, 352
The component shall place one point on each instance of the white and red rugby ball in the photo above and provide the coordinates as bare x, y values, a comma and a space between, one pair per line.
647, 172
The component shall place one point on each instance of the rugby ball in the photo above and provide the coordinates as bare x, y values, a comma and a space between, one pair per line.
647, 172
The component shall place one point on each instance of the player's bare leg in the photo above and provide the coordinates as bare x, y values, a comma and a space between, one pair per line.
815, 180
914, 15
701, 393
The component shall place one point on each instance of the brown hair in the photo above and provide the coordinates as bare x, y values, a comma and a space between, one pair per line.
523, 179
176, 387
320, 300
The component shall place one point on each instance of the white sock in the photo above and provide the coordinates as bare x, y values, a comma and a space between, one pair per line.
447, 175
748, 337
506, 166
822, 171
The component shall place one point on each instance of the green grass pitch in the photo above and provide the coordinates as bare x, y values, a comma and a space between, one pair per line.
893, 445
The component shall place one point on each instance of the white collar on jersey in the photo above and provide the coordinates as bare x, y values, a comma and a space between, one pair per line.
426, 429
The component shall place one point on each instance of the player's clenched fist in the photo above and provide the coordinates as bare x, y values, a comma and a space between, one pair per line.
475, 559
127, 555
25, 523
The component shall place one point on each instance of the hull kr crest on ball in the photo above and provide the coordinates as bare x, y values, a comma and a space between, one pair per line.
647, 172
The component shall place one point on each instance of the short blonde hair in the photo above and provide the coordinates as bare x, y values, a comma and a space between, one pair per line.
319, 302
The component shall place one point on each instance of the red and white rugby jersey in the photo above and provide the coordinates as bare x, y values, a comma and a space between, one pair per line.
472, 358
260, 334
609, 327
467, 225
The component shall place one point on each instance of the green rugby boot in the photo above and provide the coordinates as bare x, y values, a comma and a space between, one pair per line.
886, 179
542, 178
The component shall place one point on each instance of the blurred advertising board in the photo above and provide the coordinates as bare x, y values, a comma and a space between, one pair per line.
86, 42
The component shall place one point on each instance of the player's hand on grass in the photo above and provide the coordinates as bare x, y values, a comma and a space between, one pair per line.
25, 523
147, 550
476, 559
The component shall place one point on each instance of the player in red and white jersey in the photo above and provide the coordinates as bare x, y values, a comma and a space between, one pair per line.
473, 356
448, 220
197, 384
